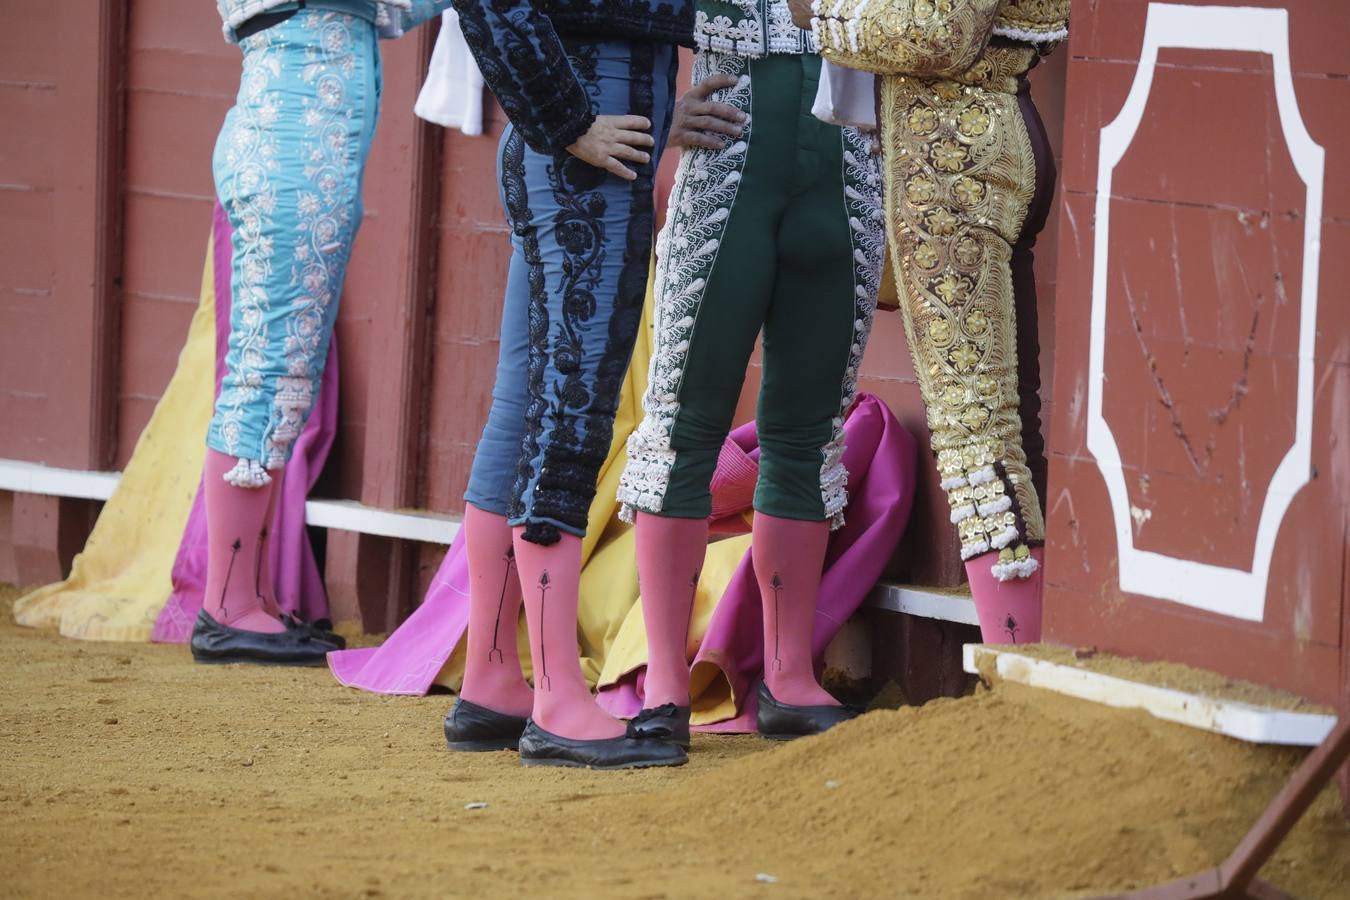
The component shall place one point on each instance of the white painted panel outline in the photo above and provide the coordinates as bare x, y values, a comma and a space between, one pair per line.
1219, 589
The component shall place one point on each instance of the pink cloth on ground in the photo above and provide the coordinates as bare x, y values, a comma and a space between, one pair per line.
880, 456
295, 572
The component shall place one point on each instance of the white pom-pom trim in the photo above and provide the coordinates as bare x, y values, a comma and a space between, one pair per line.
247, 473
1004, 538
969, 551
961, 513
1002, 504
983, 476
1017, 568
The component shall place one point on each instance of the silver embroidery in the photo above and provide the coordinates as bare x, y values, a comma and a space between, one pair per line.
706, 184
866, 225
251, 155
763, 26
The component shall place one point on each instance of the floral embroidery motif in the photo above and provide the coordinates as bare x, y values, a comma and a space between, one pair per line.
579, 404
959, 202
749, 28
705, 183
523, 61
324, 93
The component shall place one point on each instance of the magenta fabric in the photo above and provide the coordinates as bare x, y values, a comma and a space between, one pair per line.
294, 570
880, 456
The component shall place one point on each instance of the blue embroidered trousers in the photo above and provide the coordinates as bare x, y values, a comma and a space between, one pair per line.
581, 245
288, 166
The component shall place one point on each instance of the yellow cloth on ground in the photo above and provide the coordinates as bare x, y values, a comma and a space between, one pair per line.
610, 629
121, 580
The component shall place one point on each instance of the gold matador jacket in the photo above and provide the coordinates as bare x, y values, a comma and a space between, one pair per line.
960, 175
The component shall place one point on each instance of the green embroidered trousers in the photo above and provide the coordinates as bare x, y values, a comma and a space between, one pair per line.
781, 233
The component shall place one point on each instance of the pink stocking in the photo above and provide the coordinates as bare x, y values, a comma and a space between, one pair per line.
491, 664
550, 577
1009, 611
789, 555
669, 555
235, 520
265, 587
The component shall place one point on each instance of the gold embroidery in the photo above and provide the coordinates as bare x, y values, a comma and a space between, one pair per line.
957, 197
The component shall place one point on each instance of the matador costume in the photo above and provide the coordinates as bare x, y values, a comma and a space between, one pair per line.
777, 233
969, 176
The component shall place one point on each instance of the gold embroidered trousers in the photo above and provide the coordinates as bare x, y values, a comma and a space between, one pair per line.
968, 178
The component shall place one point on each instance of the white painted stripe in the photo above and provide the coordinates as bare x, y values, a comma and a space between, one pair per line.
1235, 592
345, 515
917, 601
1244, 721
348, 515
35, 478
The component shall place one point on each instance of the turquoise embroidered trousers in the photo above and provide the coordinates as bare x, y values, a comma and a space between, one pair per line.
288, 166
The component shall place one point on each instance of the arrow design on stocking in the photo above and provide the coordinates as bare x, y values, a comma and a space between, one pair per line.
234, 551
544, 681
776, 585
495, 654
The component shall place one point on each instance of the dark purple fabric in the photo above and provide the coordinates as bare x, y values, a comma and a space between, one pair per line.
294, 570
1024, 293
880, 457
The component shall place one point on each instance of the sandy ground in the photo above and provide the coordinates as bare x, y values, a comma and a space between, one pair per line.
127, 771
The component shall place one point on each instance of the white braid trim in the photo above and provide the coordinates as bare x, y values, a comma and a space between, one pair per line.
247, 473
951, 484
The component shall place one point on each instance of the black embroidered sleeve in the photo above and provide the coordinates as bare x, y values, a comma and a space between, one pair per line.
523, 62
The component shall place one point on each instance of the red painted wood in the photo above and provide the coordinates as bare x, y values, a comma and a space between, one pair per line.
181, 78
9, 570
46, 533
1207, 219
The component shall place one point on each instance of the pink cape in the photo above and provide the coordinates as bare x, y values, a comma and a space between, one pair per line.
294, 570
880, 457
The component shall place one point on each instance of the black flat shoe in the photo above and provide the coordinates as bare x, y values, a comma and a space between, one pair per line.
213, 642
667, 722
540, 748
783, 722
320, 628
472, 728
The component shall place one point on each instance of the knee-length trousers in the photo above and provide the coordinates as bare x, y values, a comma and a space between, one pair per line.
581, 254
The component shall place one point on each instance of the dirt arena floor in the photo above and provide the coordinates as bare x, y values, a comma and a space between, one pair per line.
128, 772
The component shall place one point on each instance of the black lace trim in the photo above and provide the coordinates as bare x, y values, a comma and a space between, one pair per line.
671, 22
518, 213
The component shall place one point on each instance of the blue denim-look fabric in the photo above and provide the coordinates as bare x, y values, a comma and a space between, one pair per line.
581, 245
